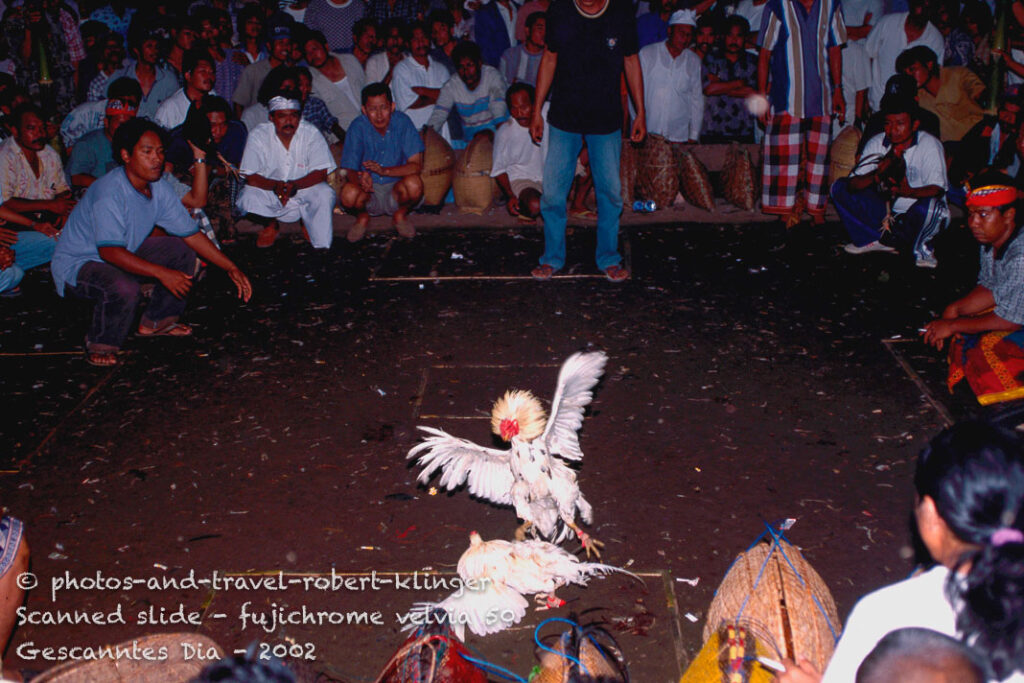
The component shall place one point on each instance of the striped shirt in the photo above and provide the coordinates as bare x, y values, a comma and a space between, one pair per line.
1002, 276
480, 109
799, 41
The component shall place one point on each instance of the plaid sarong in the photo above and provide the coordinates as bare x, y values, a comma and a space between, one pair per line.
782, 163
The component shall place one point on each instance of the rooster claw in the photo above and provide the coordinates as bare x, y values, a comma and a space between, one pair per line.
591, 545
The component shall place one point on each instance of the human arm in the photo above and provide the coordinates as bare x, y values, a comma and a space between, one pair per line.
635, 82
202, 245
545, 75
176, 282
800, 671
445, 102
196, 197
60, 205
966, 315
835, 67
6, 258
412, 166
506, 188
764, 58
426, 97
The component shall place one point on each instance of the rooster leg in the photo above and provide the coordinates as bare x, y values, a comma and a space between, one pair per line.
589, 543
522, 530
546, 601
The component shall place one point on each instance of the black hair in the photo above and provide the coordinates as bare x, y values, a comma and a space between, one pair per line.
466, 48
123, 87
979, 12
518, 86
302, 71
213, 103
705, 20
443, 16
93, 28
191, 60
974, 472
421, 25
363, 25
318, 36
130, 132
393, 23
376, 90
896, 104
911, 650
534, 17
245, 14
919, 54
21, 111
901, 85
272, 83
736, 20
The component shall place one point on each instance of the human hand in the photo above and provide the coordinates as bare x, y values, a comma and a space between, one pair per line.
62, 205
47, 229
197, 152
800, 671
513, 205
6, 258
176, 282
839, 104
374, 167
8, 237
937, 332
537, 126
365, 181
241, 282
639, 130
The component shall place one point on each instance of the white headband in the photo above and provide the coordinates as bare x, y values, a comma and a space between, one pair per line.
686, 17
279, 103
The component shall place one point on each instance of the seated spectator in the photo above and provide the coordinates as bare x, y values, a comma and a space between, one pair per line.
313, 108
900, 86
279, 78
286, 162
337, 79
920, 655
893, 34
107, 248
675, 107
157, 82
279, 53
969, 482
10, 99
992, 143
110, 62
529, 7
518, 163
380, 66
652, 27
951, 93
89, 116
476, 92
22, 250
958, 47
860, 17
364, 34
184, 33
199, 72
985, 325
441, 23
976, 19
383, 155
249, 25
519, 64
416, 80
495, 26
729, 77
227, 69
14, 557
334, 19
93, 156
895, 195
752, 11
32, 180
705, 36
92, 33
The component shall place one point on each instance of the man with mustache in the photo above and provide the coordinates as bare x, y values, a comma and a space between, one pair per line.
200, 75
32, 180
108, 250
286, 162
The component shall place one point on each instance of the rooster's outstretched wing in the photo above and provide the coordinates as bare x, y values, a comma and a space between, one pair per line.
576, 379
487, 469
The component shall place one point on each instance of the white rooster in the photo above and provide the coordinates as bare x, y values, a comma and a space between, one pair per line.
542, 488
497, 574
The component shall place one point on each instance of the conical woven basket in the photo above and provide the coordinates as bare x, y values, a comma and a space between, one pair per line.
843, 153
739, 181
138, 669
657, 178
694, 182
628, 162
788, 599
438, 167
473, 186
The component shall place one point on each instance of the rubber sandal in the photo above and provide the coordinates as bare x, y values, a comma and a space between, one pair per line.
616, 273
585, 214
102, 359
542, 273
266, 237
169, 330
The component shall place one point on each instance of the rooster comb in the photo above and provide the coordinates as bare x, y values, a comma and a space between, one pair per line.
525, 409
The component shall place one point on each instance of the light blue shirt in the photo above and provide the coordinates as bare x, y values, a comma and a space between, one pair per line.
114, 214
364, 143
165, 85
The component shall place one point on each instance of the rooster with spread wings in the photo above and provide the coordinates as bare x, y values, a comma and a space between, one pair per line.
540, 486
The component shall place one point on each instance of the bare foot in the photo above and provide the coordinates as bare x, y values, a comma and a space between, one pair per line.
356, 232
267, 236
403, 226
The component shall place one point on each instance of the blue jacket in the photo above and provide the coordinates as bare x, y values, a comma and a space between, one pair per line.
491, 34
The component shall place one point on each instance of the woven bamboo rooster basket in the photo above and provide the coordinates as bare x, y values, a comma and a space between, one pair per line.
473, 186
438, 167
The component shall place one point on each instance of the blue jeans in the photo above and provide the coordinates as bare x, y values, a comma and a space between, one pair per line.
862, 213
117, 292
32, 249
559, 170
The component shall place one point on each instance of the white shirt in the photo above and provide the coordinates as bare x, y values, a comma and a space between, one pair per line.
855, 13
885, 43
509, 17
172, 112
377, 67
752, 13
516, 154
925, 159
343, 98
918, 602
408, 74
266, 155
673, 92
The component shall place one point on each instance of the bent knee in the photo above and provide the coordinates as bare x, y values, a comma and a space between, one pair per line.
352, 196
412, 186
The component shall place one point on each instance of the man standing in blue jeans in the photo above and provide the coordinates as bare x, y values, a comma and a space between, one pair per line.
589, 45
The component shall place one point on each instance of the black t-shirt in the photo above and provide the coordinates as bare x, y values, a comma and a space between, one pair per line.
585, 93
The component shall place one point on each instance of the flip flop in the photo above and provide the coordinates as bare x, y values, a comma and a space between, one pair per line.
585, 214
543, 272
169, 330
102, 359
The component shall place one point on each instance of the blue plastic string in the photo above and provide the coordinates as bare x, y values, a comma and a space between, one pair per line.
542, 646
779, 536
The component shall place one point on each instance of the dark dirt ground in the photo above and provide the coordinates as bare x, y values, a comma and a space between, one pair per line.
754, 374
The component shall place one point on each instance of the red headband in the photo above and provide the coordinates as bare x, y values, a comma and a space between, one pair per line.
117, 107
991, 195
